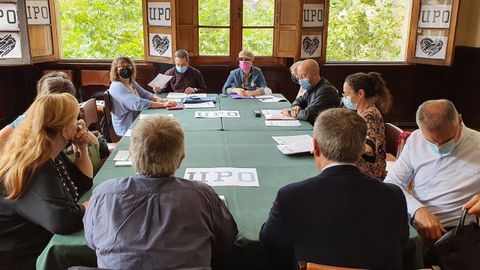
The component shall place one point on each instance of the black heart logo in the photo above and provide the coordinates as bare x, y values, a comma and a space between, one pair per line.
310, 45
7, 44
160, 44
430, 47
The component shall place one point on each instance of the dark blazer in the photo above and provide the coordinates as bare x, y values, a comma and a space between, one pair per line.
322, 96
340, 217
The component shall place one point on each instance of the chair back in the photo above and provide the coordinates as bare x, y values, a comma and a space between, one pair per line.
88, 112
314, 266
94, 83
392, 134
108, 118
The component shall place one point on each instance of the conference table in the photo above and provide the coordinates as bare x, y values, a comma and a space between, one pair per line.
221, 142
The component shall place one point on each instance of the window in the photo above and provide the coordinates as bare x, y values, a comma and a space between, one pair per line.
101, 29
368, 30
252, 27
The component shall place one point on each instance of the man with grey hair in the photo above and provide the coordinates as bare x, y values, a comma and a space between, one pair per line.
154, 220
186, 79
438, 169
326, 219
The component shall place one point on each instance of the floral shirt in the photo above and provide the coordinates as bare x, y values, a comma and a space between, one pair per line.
374, 165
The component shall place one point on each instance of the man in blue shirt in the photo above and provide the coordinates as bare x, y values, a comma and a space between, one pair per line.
154, 220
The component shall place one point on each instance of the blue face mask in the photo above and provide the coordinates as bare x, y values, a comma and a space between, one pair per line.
181, 69
445, 148
347, 102
305, 84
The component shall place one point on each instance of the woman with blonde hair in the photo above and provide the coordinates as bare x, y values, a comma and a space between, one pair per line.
39, 185
294, 75
128, 97
368, 94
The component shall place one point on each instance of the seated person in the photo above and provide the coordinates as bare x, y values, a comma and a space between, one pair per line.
326, 219
320, 95
40, 187
128, 97
369, 96
246, 80
186, 79
441, 158
180, 223
294, 74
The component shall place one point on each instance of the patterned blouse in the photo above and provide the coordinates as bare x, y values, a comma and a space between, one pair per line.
374, 165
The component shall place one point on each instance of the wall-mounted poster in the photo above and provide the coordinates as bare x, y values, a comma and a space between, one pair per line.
313, 15
10, 45
160, 45
8, 17
431, 47
435, 16
37, 12
159, 13
311, 46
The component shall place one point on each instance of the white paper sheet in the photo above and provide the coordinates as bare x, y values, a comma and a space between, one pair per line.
296, 148
142, 116
128, 133
199, 105
122, 155
176, 95
121, 163
217, 114
293, 139
160, 81
276, 115
274, 99
264, 97
282, 123
200, 95
224, 176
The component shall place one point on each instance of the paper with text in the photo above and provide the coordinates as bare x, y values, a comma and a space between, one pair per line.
282, 123
276, 115
224, 176
160, 81
217, 114
199, 105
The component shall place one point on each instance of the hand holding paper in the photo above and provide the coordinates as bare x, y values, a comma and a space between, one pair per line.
160, 81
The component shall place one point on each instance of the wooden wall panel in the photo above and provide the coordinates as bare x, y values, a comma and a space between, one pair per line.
40, 40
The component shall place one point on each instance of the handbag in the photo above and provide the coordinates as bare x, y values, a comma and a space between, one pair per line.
459, 248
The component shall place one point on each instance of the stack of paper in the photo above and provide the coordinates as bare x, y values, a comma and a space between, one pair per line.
237, 96
276, 115
282, 123
274, 99
160, 81
199, 105
123, 158
174, 95
294, 144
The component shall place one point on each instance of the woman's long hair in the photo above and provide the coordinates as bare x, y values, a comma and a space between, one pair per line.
30, 144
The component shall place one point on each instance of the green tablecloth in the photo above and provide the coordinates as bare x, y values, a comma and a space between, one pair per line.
248, 205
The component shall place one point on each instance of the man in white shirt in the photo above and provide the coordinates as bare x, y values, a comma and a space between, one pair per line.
442, 159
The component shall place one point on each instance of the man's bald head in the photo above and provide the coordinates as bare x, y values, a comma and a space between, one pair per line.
436, 115
309, 69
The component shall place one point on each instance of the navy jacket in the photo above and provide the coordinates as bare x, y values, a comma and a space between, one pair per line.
340, 217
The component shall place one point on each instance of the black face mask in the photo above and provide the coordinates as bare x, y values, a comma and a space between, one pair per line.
125, 73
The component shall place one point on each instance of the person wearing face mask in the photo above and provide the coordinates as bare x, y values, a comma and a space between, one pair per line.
246, 80
320, 93
39, 186
128, 97
186, 79
369, 96
442, 160
294, 74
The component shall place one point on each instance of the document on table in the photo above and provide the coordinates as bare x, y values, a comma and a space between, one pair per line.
217, 114
143, 116
174, 95
200, 95
224, 176
160, 81
122, 155
274, 99
199, 105
128, 133
276, 115
294, 144
264, 97
282, 123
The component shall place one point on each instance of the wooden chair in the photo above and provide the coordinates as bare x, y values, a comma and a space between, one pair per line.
108, 117
94, 83
392, 134
313, 266
88, 112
